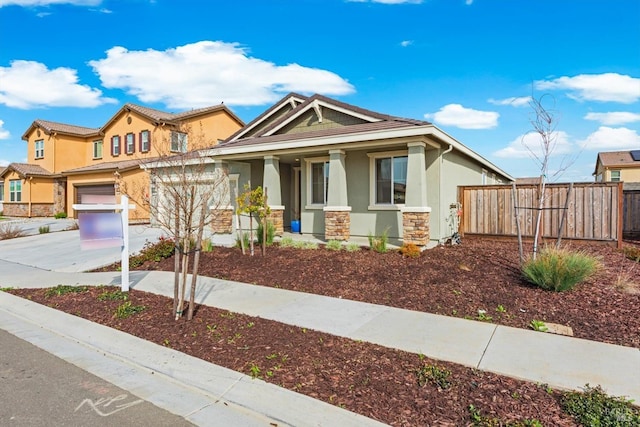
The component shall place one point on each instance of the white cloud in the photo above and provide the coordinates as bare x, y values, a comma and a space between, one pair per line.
30, 3
468, 2
4, 162
209, 72
464, 118
530, 144
521, 101
614, 118
29, 84
4, 134
612, 139
405, 43
608, 87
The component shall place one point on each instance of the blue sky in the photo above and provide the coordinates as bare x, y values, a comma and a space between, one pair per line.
468, 66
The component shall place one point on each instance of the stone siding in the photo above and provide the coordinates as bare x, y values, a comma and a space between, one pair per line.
337, 225
22, 209
222, 222
415, 228
59, 196
277, 219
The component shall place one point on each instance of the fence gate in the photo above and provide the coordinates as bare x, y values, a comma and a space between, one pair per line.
631, 214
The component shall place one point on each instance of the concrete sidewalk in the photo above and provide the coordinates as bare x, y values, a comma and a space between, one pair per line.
562, 362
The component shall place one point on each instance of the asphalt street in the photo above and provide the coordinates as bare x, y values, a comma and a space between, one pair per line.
39, 389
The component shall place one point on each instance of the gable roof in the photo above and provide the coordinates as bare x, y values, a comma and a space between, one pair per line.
50, 127
26, 170
121, 165
158, 116
617, 158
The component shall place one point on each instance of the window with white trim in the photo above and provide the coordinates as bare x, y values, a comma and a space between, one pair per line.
615, 176
15, 190
130, 143
97, 149
484, 176
317, 181
179, 142
115, 145
145, 141
1, 191
40, 149
388, 178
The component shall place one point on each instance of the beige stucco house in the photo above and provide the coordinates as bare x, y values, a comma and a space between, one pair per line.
616, 166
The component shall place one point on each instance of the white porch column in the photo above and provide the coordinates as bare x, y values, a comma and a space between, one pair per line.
337, 217
271, 181
416, 214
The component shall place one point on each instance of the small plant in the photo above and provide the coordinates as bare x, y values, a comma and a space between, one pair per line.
43, 229
73, 226
500, 309
352, 247
379, 243
10, 231
334, 245
153, 251
480, 420
483, 316
254, 371
538, 325
166, 342
64, 289
435, 375
410, 250
559, 269
306, 245
207, 245
271, 232
632, 252
126, 309
113, 295
60, 215
245, 240
6, 289
286, 242
594, 407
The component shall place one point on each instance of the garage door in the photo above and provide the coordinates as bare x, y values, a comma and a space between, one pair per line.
92, 194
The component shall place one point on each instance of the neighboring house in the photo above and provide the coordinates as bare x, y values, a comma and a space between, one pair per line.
1, 189
70, 164
616, 166
346, 171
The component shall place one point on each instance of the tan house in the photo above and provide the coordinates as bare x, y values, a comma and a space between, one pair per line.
616, 166
70, 164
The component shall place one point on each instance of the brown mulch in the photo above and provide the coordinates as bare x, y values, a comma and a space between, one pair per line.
375, 381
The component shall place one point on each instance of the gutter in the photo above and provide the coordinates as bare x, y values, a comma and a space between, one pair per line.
448, 150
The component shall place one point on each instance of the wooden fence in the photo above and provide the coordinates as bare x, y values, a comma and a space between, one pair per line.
631, 214
593, 211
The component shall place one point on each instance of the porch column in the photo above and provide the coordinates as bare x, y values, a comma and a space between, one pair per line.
337, 217
416, 213
271, 182
221, 207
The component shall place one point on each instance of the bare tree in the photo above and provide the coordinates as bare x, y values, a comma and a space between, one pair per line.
185, 194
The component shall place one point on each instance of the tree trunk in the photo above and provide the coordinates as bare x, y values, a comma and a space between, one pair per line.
177, 257
196, 262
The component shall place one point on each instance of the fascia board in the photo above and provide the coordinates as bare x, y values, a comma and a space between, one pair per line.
266, 118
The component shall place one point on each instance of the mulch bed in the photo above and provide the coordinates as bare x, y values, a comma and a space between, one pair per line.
375, 381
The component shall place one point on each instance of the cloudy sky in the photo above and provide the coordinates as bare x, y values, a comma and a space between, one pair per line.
468, 66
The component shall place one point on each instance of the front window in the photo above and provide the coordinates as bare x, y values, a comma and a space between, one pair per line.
319, 182
144, 141
390, 180
40, 149
97, 149
179, 142
15, 190
615, 176
131, 143
115, 145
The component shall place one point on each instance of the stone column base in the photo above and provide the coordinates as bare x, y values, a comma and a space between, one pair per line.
415, 225
277, 219
337, 222
222, 222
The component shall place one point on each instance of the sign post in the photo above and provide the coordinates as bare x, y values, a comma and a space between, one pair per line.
107, 229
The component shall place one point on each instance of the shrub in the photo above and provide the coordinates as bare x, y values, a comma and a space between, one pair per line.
594, 408
10, 231
245, 240
271, 232
559, 269
153, 251
60, 215
379, 243
125, 310
64, 289
287, 242
435, 375
43, 229
334, 245
410, 250
352, 247
632, 252
207, 245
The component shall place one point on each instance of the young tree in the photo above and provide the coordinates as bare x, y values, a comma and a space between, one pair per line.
186, 193
254, 203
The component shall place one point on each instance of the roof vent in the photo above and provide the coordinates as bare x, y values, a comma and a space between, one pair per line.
635, 155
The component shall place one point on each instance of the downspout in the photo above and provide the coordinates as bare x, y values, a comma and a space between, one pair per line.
448, 150
30, 197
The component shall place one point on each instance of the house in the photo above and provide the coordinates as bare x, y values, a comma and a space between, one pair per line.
616, 166
347, 171
70, 164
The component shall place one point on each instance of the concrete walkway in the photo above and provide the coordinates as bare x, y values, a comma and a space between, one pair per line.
559, 361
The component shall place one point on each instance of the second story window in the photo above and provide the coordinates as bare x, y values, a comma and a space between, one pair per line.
115, 145
130, 143
179, 142
40, 149
615, 176
97, 149
145, 142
